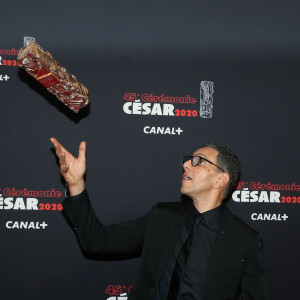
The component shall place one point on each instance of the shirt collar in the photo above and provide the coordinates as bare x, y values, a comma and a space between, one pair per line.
209, 216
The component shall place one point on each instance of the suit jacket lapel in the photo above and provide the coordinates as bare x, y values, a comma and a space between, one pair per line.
177, 219
219, 249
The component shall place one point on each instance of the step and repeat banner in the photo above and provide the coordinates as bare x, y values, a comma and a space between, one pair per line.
164, 78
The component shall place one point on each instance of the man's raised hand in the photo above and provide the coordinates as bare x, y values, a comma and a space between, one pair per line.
71, 168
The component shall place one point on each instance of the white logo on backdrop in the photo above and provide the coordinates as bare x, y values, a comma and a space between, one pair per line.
269, 217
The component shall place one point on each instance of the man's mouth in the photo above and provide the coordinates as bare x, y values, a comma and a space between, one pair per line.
185, 177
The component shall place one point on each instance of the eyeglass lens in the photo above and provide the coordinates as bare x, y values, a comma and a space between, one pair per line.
196, 160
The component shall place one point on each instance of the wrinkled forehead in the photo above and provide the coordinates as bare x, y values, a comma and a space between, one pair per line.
207, 152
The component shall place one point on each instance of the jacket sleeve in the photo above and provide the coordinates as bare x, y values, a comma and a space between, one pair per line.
118, 241
254, 283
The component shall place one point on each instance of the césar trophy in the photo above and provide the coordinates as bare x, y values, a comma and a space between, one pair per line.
46, 70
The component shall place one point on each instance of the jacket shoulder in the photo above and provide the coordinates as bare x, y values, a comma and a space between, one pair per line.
169, 206
243, 230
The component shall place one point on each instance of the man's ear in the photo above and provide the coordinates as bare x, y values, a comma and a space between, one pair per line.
223, 180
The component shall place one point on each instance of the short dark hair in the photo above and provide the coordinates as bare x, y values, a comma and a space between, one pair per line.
229, 162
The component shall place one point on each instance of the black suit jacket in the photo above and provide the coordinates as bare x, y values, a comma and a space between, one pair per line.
235, 263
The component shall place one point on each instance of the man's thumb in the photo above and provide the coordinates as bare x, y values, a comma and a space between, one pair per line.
82, 150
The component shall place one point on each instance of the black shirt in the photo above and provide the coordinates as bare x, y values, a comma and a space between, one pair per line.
192, 286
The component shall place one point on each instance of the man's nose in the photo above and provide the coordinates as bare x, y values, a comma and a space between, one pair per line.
187, 165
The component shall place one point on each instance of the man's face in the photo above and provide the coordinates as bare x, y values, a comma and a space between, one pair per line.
200, 180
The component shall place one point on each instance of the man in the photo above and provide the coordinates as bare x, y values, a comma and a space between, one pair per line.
195, 250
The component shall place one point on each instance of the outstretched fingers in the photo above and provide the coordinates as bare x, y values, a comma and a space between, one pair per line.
58, 147
71, 168
61, 154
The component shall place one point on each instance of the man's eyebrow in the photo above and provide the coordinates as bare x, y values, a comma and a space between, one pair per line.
200, 154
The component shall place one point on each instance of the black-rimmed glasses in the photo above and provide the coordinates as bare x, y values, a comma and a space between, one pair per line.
196, 160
